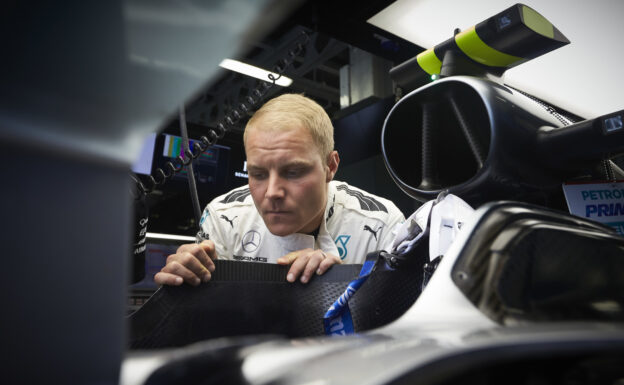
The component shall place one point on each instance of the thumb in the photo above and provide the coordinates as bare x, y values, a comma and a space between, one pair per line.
209, 248
288, 258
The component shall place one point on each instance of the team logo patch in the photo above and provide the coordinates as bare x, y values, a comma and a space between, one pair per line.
341, 244
205, 215
251, 241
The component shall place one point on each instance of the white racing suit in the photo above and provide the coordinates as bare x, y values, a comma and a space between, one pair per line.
355, 223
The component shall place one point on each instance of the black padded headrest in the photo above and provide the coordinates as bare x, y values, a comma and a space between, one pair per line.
245, 298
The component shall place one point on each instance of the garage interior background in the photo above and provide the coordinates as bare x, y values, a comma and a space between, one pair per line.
74, 111
345, 68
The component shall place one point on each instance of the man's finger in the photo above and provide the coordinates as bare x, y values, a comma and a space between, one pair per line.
297, 266
177, 269
207, 254
209, 248
190, 262
289, 258
200, 252
316, 258
327, 263
162, 278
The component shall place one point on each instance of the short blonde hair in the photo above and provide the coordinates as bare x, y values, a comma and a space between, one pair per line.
289, 110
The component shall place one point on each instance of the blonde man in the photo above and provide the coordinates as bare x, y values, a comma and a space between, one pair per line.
292, 212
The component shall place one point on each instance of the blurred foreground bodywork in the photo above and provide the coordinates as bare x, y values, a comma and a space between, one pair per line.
81, 85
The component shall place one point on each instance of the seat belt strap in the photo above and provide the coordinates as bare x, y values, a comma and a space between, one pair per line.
337, 320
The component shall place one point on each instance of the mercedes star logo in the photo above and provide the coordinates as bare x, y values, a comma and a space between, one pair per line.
251, 241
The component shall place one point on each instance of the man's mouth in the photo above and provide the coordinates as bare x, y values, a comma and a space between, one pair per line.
277, 212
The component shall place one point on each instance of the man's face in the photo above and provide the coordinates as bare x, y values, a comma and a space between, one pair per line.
288, 179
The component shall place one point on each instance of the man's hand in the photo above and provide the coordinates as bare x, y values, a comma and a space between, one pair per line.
307, 261
192, 263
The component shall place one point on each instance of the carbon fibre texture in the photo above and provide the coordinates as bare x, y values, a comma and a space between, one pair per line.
245, 298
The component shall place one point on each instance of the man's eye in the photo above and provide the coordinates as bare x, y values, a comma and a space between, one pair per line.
257, 175
294, 173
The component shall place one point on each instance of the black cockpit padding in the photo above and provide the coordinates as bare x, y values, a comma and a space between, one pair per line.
246, 298
525, 263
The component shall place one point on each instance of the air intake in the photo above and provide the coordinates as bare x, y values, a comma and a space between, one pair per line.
483, 141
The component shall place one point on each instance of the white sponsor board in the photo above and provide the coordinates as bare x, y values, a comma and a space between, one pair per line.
602, 202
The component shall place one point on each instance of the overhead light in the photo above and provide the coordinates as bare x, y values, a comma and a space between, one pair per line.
170, 236
256, 72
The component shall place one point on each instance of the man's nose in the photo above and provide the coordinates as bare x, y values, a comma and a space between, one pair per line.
275, 188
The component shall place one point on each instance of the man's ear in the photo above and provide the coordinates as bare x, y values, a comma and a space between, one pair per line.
332, 165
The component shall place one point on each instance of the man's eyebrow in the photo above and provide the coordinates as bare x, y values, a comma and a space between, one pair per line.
290, 164
296, 163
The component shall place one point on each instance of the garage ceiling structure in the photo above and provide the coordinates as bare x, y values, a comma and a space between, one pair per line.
396, 31
339, 38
